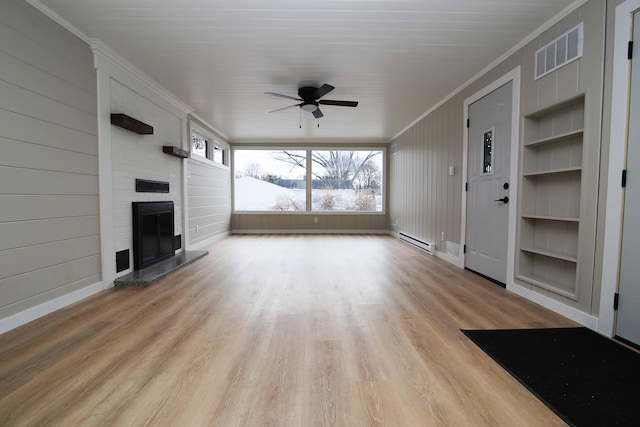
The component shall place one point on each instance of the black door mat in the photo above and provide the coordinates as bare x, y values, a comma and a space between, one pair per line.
584, 377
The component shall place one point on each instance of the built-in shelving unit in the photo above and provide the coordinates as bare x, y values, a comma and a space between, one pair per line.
551, 179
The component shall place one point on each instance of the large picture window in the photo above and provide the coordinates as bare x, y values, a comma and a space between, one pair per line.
346, 180
268, 180
339, 180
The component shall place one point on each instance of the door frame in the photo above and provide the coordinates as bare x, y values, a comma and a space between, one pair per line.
514, 77
619, 122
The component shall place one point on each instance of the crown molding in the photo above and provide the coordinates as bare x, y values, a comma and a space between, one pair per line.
103, 52
60, 20
101, 49
202, 122
536, 33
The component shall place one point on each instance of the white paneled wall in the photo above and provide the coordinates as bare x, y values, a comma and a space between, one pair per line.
208, 190
209, 201
140, 156
425, 201
49, 207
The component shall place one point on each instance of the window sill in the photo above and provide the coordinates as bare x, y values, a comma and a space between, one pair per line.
316, 213
208, 162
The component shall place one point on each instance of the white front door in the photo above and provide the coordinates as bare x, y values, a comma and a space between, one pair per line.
628, 319
488, 186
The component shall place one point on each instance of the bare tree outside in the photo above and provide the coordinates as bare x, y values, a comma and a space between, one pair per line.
368, 178
254, 170
337, 164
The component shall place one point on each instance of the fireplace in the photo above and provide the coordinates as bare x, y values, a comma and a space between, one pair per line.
153, 231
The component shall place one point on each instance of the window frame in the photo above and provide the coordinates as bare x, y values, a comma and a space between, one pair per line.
206, 145
268, 149
308, 209
213, 142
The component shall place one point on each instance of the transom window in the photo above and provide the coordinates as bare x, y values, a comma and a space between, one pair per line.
199, 145
204, 147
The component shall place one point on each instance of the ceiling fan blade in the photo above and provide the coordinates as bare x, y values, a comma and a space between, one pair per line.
338, 103
317, 113
285, 108
282, 96
322, 91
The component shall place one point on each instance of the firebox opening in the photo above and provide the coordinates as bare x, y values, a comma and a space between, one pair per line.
153, 233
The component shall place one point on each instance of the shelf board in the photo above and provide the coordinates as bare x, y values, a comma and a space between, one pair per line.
175, 151
555, 138
579, 99
551, 218
553, 171
551, 254
550, 285
131, 124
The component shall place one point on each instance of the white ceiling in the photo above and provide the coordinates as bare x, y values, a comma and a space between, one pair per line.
397, 58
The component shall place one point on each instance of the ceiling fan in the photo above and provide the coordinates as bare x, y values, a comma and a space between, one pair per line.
310, 97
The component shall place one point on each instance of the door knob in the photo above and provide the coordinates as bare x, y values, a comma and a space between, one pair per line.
505, 199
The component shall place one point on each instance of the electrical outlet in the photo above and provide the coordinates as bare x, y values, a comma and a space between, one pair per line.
315, 219
442, 236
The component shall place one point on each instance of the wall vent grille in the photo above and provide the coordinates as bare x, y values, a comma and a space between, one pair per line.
560, 52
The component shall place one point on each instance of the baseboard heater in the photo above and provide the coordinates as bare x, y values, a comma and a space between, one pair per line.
425, 246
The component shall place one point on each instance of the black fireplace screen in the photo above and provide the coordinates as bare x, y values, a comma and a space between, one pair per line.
153, 231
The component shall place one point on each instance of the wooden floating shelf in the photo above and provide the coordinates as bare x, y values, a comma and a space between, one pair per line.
131, 124
175, 151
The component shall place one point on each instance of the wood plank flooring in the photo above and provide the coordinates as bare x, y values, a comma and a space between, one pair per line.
277, 331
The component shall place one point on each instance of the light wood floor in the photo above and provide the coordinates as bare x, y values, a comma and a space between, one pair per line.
279, 331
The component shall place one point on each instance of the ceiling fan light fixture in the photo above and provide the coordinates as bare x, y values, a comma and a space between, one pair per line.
309, 106
310, 100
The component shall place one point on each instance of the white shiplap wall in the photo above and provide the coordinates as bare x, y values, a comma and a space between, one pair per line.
209, 192
140, 156
49, 207
209, 202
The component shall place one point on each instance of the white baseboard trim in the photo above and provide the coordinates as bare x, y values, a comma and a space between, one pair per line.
384, 232
207, 242
33, 313
450, 258
585, 319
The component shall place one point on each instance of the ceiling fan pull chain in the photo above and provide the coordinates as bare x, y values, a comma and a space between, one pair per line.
301, 118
